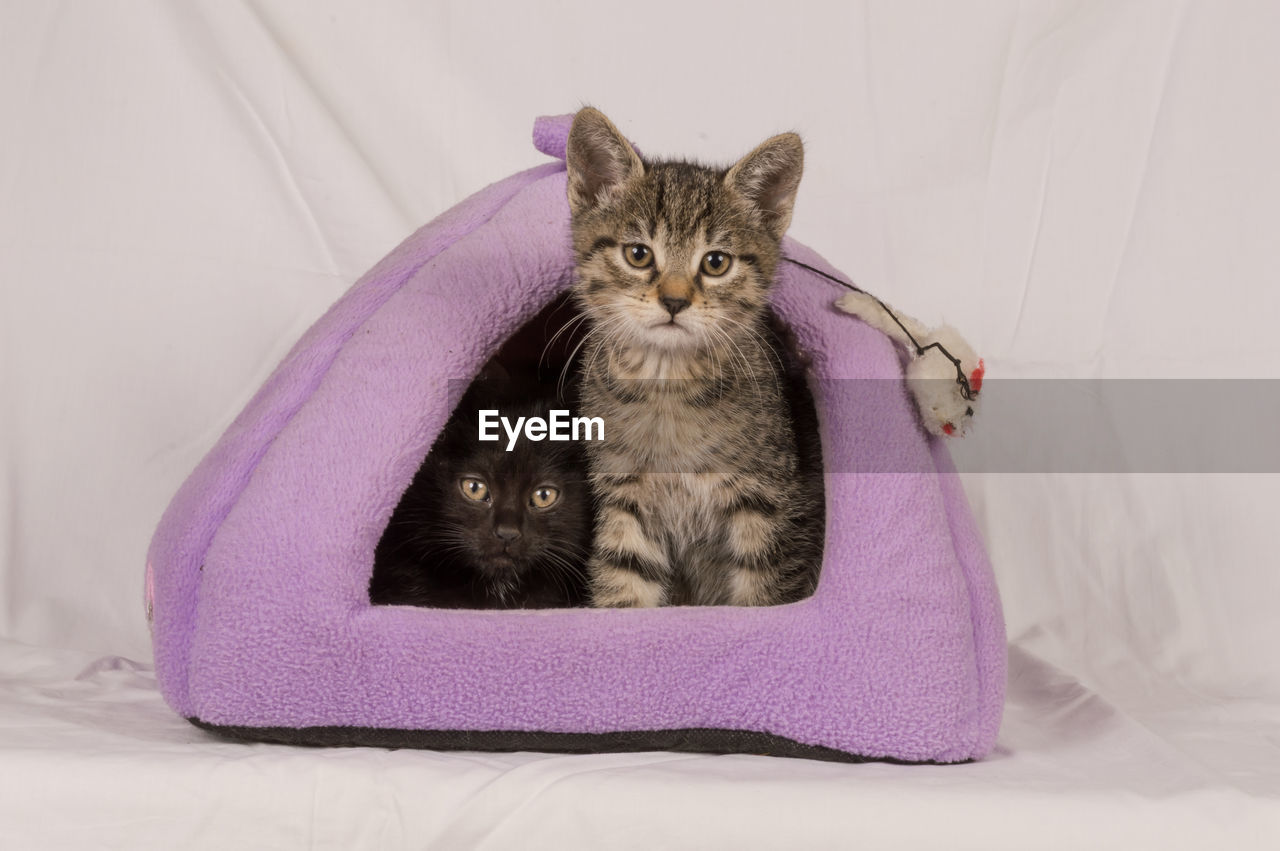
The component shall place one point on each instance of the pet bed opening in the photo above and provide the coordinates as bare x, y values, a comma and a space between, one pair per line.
436, 551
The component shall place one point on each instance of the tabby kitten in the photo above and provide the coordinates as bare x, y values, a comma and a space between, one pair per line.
481, 527
702, 495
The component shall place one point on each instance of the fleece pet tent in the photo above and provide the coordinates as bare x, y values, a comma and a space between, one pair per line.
257, 578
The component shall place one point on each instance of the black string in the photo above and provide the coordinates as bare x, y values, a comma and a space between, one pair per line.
961, 378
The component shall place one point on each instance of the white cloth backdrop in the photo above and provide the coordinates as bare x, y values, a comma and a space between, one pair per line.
1086, 189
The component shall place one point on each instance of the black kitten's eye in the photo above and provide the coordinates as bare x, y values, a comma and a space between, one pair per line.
544, 497
638, 255
716, 263
475, 489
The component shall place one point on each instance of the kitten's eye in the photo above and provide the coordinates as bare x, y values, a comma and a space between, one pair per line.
544, 497
716, 263
475, 489
638, 255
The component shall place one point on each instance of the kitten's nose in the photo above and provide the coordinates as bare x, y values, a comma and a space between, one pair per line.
507, 533
674, 305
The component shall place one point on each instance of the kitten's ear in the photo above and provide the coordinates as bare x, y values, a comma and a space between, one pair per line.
600, 159
768, 177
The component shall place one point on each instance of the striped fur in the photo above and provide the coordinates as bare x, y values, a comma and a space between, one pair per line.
701, 495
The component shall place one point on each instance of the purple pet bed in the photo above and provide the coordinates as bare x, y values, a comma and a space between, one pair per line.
257, 578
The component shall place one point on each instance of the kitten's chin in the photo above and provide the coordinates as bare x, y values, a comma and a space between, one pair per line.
504, 567
500, 564
671, 337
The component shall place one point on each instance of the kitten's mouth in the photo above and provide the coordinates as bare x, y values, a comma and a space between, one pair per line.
501, 562
670, 333
670, 326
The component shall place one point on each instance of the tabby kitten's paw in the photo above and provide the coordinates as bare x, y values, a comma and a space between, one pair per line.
614, 587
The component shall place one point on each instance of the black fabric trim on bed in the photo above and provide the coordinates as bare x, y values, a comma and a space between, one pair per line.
692, 740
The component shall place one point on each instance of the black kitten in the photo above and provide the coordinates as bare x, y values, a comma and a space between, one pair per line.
481, 527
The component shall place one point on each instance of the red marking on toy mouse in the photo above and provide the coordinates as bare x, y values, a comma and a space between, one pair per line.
975, 377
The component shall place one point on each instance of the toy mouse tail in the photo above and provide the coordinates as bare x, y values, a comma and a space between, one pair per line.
895, 325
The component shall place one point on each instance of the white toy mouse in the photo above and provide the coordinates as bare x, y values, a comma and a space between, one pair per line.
945, 387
